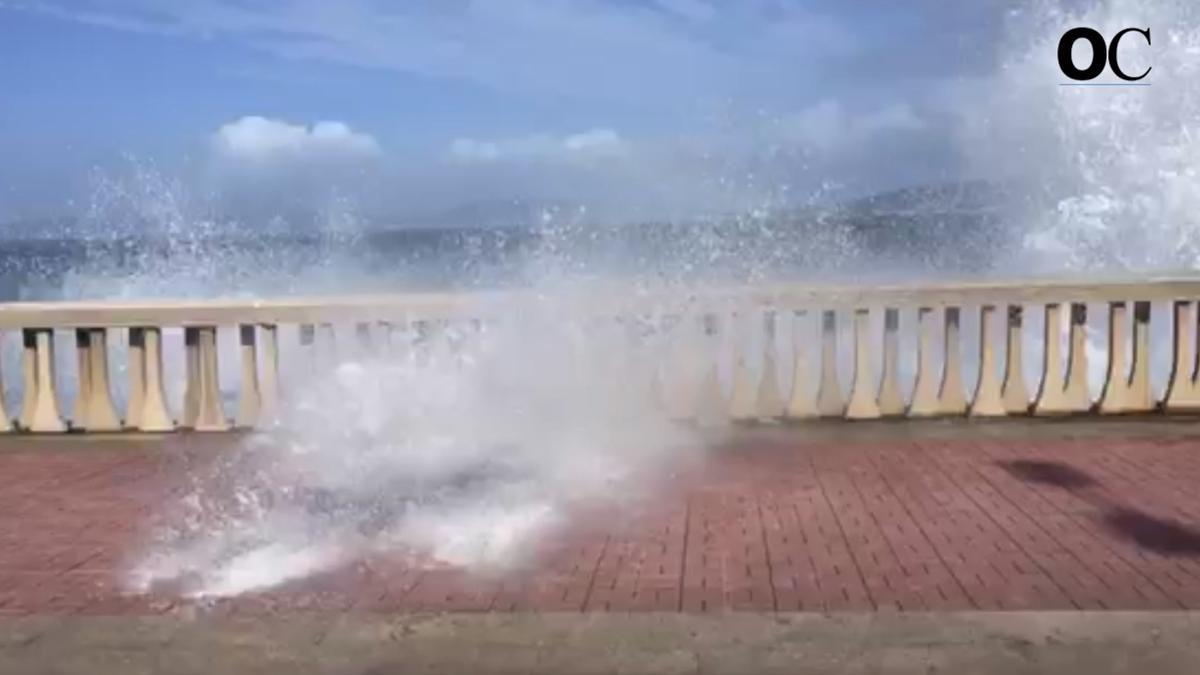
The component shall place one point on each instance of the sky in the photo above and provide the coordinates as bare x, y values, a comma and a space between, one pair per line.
631, 108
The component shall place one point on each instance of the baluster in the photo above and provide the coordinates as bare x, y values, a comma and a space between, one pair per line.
891, 401
94, 408
250, 395
307, 338
863, 404
1127, 393
207, 413
325, 346
155, 416
1076, 392
741, 403
83, 350
1016, 394
191, 392
136, 365
400, 346
829, 393
479, 330
1112, 399
435, 339
925, 391
6, 420
801, 404
366, 342
45, 416
711, 408
307, 334
387, 342
1140, 397
1183, 394
29, 380
770, 404
988, 400
1050, 398
452, 342
269, 387
421, 336
952, 394
446, 343
1059, 394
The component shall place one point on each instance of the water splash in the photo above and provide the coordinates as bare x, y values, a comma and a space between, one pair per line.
1103, 179
147, 233
460, 455
1099, 181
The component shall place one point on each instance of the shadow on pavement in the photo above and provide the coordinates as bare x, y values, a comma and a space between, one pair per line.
1057, 474
1150, 532
1156, 534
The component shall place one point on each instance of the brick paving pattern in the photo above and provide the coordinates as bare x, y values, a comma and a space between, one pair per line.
783, 524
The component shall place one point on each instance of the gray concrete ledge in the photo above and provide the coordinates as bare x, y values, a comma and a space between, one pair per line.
1065, 643
599, 301
734, 435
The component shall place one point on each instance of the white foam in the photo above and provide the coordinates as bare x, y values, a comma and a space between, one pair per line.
1105, 179
462, 458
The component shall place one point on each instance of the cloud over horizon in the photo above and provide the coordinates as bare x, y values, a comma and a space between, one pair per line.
258, 139
660, 107
586, 145
259, 167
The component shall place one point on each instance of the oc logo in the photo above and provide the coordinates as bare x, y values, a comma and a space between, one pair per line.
1102, 54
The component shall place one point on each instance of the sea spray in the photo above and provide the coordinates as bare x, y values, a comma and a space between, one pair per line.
1104, 180
462, 456
1100, 182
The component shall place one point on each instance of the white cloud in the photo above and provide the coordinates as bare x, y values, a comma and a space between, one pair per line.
471, 150
599, 141
587, 145
264, 166
258, 139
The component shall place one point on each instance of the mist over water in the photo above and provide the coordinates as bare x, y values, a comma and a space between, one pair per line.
467, 449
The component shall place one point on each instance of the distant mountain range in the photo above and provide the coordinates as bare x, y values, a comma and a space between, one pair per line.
964, 197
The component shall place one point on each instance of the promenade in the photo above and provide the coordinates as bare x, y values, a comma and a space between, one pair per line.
941, 524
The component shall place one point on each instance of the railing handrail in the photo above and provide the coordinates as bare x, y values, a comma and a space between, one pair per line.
975, 293
680, 375
481, 304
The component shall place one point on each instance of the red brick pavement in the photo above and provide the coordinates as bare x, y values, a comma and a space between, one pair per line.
783, 524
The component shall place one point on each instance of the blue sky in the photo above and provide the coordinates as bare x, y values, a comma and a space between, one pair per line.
657, 106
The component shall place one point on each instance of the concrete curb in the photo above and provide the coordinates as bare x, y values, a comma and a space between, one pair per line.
1063, 643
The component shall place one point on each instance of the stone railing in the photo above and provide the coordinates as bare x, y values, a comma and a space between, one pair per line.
689, 388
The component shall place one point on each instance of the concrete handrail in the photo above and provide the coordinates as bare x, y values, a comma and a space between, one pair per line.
613, 300
816, 389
